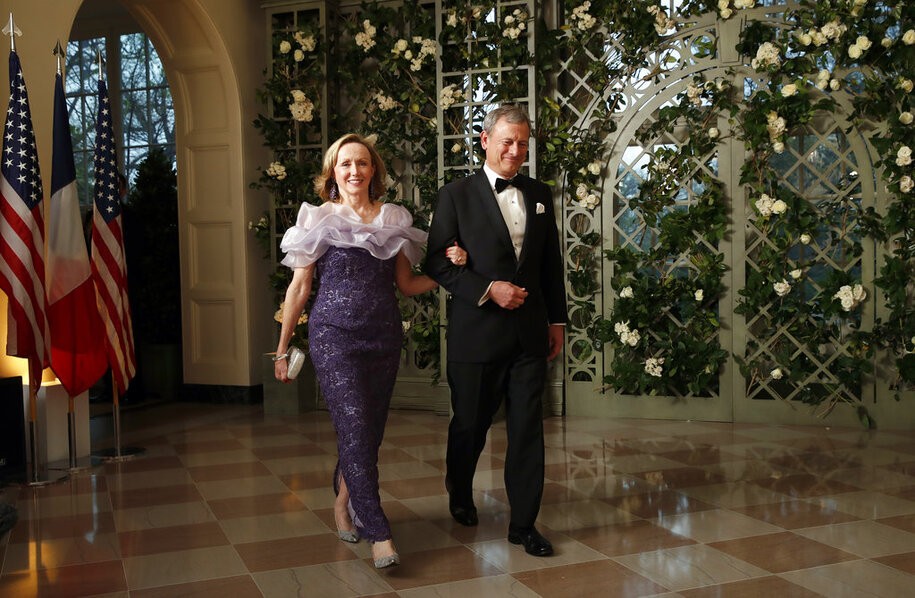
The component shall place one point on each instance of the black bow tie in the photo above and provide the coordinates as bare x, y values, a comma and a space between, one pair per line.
501, 184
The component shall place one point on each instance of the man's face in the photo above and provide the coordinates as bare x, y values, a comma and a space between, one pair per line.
506, 147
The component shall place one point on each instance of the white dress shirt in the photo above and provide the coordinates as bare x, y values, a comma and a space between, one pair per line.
511, 204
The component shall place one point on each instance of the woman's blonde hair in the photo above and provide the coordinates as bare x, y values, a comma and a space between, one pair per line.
325, 181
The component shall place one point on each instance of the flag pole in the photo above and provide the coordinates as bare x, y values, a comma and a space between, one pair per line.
72, 462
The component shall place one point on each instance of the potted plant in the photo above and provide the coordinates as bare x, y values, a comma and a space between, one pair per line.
153, 272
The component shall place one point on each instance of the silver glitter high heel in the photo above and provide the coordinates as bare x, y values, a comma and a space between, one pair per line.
387, 561
348, 536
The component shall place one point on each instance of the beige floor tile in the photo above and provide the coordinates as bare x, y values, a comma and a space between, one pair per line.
794, 514
584, 579
715, 525
863, 538
853, 580
418, 536
182, 567
868, 504
582, 514
299, 551
241, 530
735, 494
511, 558
162, 516
331, 580
246, 486
406, 470
494, 585
689, 567
239, 586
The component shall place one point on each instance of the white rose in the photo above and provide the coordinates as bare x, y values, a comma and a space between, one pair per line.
626, 293
863, 42
789, 90
699, 295
285, 47
722, 4
905, 85
779, 207
906, 184
805, 39
854, 51
905, 118
834, 84
782, 288
594, 168
778, 147
908, 38
796, 273
904, 156
726, 13
776, 374
806, 239
886, 42
298, 55
713, 133
456, 148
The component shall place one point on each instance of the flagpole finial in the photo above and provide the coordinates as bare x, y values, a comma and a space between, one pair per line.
12, 31
59, 53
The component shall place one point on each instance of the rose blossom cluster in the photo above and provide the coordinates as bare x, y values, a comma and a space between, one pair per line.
586, 198
766, 206
904, 156
824, 79
581, 19
450, 94
301, 108
653, 366
726, 8
850, 296
515, 24
365, 39
277, 171
627, 337
766, 55
857, 49
427, 48
832, 30
306, 44
775, 125
626, 293
662, 22
385, 102
452, 19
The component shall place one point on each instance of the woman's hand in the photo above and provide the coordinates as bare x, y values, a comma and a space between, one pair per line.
457, 255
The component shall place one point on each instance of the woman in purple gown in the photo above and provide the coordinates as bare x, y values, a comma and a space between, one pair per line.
359, 249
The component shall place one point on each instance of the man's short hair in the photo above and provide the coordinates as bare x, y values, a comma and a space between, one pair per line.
512, 113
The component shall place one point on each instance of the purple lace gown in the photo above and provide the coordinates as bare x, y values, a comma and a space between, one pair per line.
355, 335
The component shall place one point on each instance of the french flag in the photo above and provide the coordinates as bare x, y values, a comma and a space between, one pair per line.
78, 355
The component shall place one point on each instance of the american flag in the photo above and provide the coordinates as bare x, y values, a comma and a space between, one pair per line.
22, 233
109, 266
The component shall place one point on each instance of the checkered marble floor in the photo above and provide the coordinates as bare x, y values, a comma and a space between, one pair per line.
226, 501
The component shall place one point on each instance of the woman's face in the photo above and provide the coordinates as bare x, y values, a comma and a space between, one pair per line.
354, 170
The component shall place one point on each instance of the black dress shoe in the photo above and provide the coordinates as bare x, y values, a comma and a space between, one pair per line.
533, 542
465, 515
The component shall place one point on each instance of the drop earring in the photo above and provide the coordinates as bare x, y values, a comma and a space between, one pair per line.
334, 193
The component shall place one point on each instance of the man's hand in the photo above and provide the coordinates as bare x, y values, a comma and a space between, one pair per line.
507, 295
556, 335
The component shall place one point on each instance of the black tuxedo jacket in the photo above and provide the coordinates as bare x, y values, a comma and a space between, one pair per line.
468, 212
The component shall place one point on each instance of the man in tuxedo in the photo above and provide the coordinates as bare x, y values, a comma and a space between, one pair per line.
506, 315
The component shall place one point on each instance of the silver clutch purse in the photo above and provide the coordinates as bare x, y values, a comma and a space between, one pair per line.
295, 357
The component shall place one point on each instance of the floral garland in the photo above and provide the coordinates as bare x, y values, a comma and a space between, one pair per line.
827, 53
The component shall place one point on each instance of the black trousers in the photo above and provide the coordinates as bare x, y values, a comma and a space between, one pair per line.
477, 391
